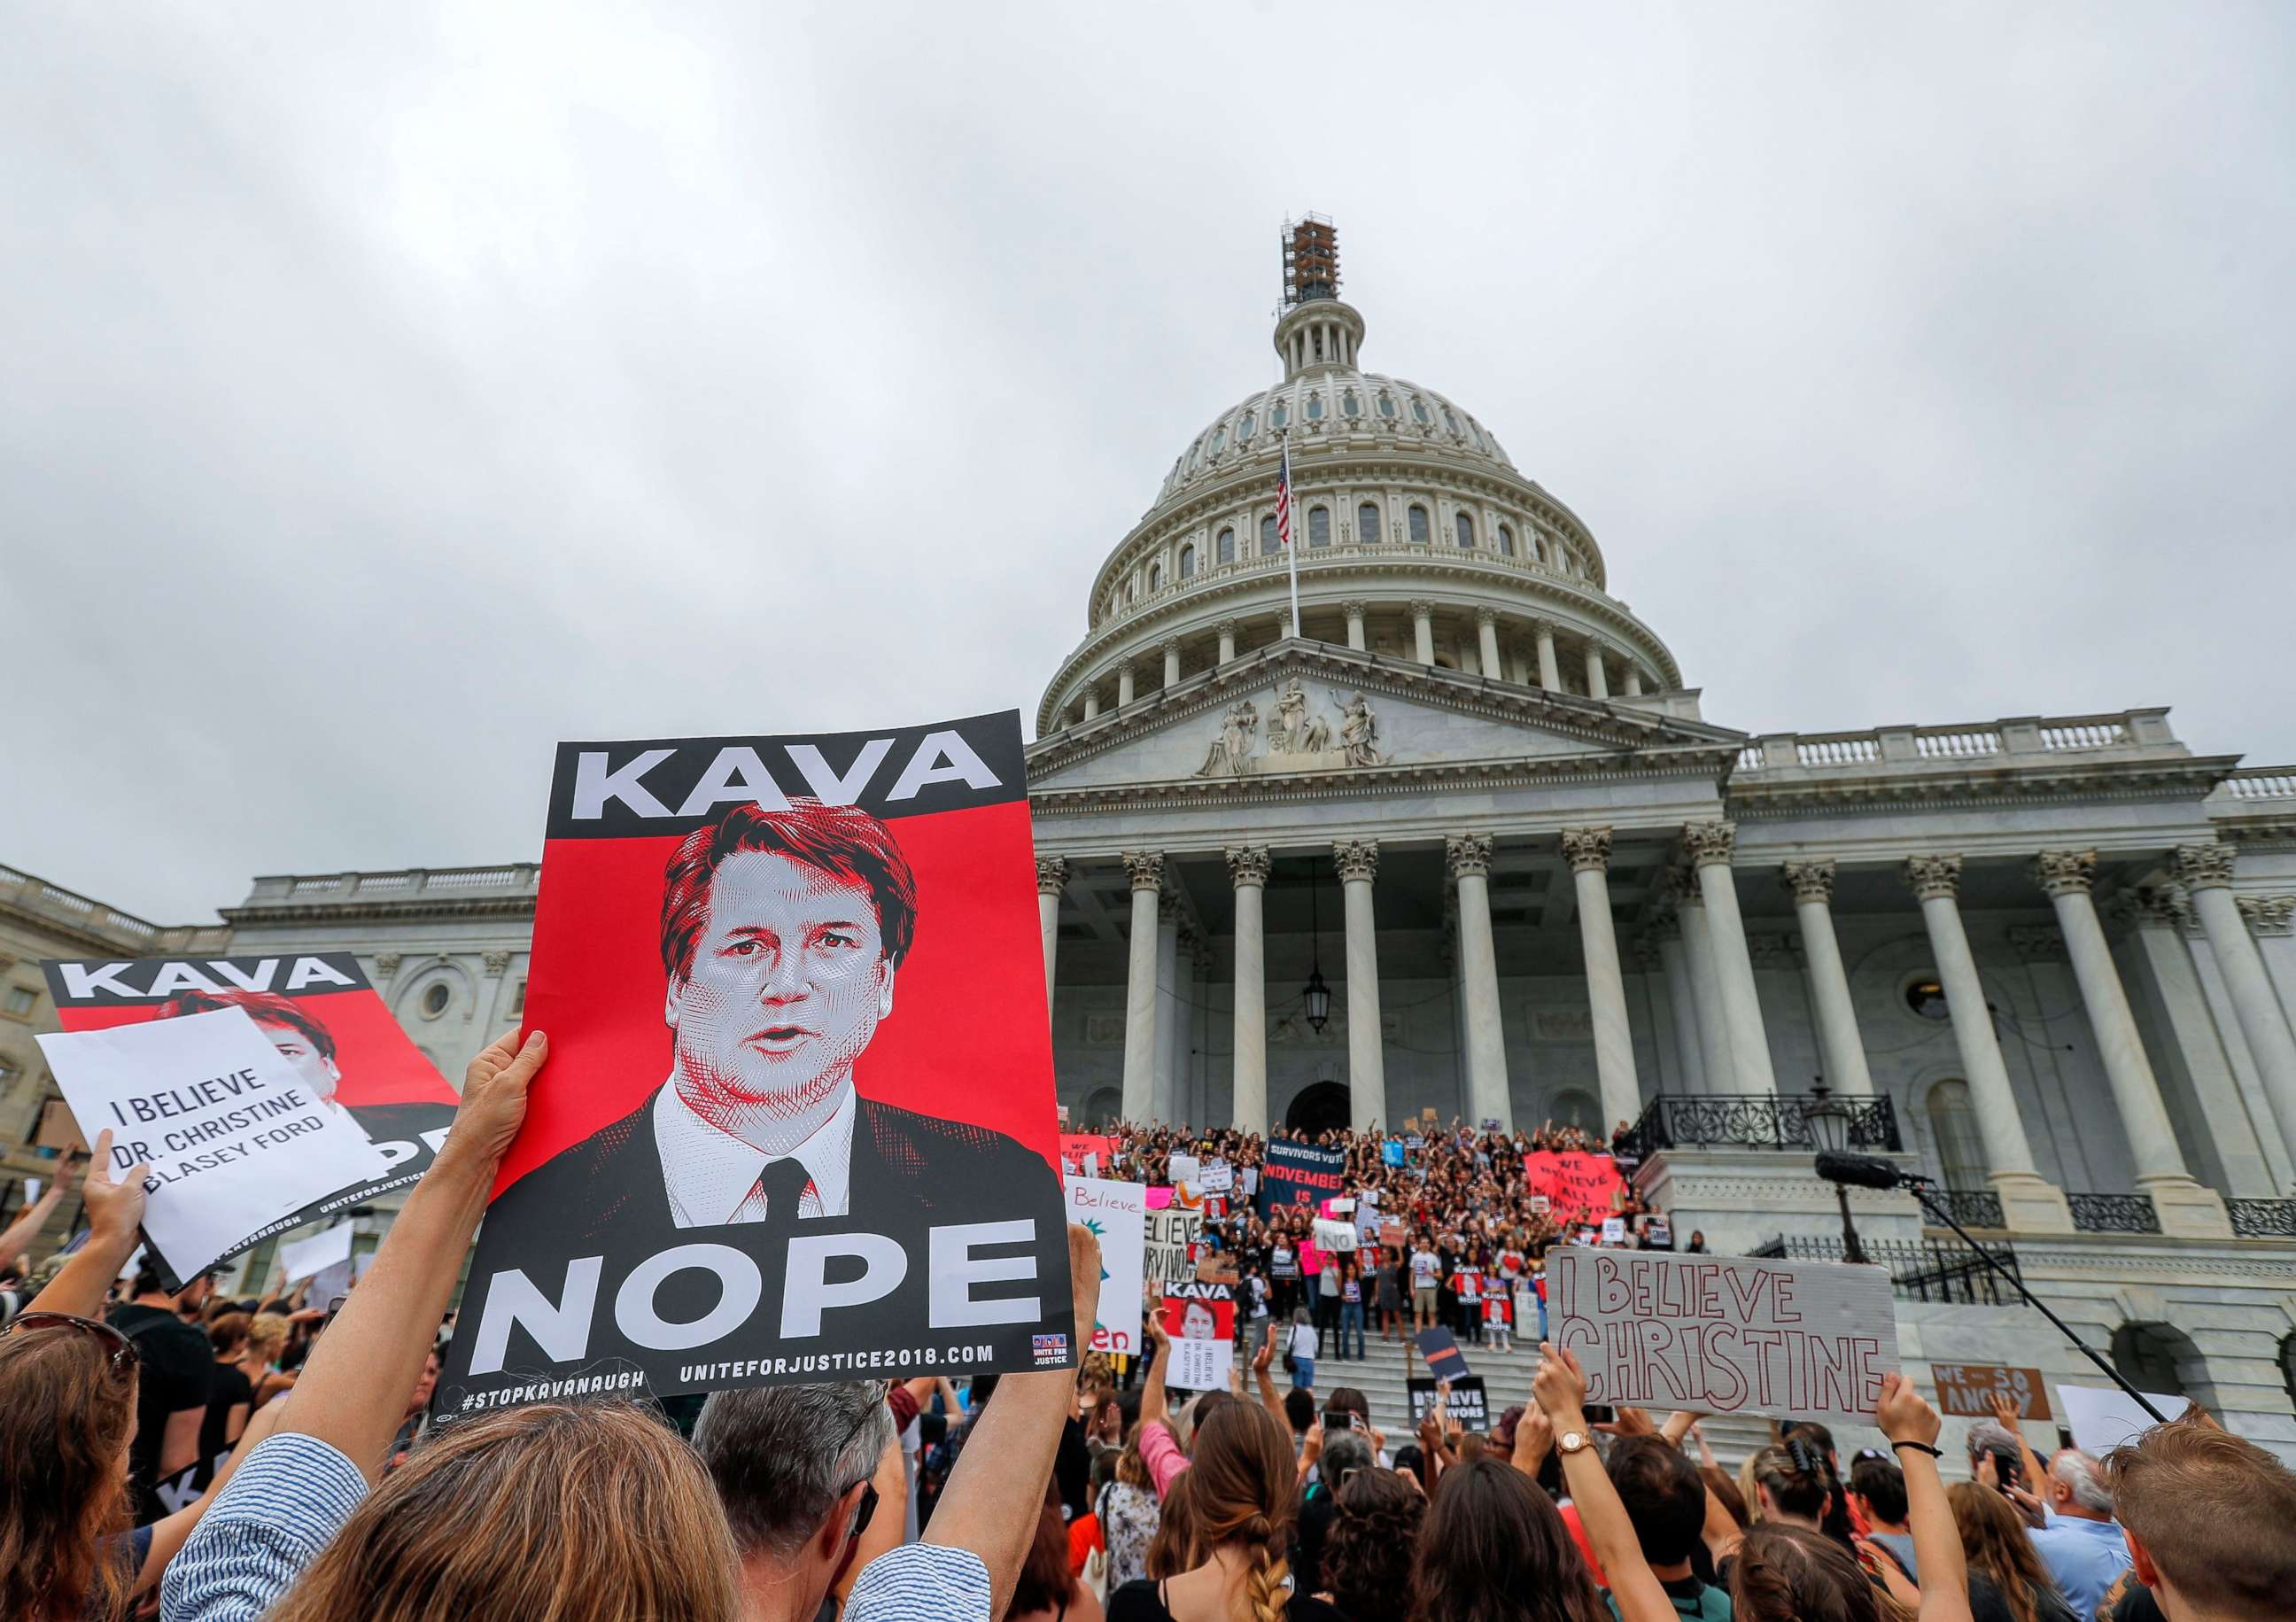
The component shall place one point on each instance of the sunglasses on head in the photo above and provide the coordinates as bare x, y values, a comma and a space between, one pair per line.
120, 1351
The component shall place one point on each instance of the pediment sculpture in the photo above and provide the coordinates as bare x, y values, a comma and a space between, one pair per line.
1295, 740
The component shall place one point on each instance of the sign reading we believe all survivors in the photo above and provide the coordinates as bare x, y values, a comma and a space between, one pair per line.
1578, 1187
1724, 1334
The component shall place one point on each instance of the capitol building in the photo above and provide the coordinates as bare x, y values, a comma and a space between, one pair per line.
1458, 833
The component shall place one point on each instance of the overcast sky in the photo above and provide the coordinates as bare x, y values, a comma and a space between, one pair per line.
387, 392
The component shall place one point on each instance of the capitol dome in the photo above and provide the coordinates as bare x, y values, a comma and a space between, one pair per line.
1417, 539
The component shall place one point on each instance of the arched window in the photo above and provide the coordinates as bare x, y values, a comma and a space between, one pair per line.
1243, 428
1269, 545
1386, 404
1155, 577
1194, 451
1319, 525
1219, 438
1280, 415
1314, 408
1465, 522
1417, 519
1187, 562
1419, 410
1367, 525
1506, 542
1450, 422
1953, 1124
1538, 549
1349, 405
1225, 552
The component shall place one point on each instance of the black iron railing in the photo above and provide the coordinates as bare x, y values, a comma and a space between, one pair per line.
2114, 1213
1756, 1120
1972, 1207
1919, 1270
2263, 1218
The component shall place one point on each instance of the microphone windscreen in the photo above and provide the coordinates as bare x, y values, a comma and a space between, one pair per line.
1857, 1171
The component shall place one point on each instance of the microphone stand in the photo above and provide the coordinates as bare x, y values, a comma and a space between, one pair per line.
1922, 1189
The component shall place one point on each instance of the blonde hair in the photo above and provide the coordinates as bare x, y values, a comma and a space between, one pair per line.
555, 1512
266, 1337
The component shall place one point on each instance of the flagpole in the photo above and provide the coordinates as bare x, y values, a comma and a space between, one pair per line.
1291, 548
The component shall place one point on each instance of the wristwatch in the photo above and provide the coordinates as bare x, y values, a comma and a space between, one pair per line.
1573, 1441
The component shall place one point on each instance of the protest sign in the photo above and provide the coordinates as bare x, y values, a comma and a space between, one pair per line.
1390, 1153
1337, 1236
344, 1046
1578, 1187
1439, 1351
1218, 1268
58, 1130
302, 1259
1659, 1230
1217, 1177
2103, 1417
32, 1186
233, 1136
1414, 1142
1299, 1173
1391, 1232
1200, 1319
1725, 1335
1186, 1169
1469, 1403
1086, 1154
1172, 1235
829, 944
1160, 1196
1117, 1213
1968, 1390
1614, 1229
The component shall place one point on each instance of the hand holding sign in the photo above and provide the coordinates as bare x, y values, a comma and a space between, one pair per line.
114, 1209
494, 1098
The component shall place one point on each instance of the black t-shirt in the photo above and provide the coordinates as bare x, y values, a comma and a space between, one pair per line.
178, 1366
227, 1388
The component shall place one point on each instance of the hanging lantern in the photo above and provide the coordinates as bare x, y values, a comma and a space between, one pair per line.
1316, 994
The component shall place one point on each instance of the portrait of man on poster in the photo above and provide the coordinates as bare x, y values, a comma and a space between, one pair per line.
783, 935
311, 1051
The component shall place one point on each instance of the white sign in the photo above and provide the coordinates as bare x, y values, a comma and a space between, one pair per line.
1330, 1235
1659, 1231
1725, 1334
1614, 1229
304, 1259
2103, 1417
1118, 1212
1171, 1233
1218, 1178
31, 1190
234, 1139
1186, 1169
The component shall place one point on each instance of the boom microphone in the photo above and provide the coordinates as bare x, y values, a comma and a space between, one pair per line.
1860, 1170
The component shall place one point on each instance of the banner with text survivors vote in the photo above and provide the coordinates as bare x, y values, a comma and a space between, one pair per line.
1299, 1173
1724, 1334
798, 1119
1581, 1187
347, 1052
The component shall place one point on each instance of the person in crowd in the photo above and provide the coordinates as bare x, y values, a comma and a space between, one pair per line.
1369, 1551
1129, 1515
1240, 1492
1725, 1492
231, 1398
1047, 1590
1327, 1299
266, 1341
1877, 1491
1087, 1539
1299, 1348
634, 1525
2078, 1540
1786, 1570
418, 1413
2007, 1582
1697, 1245
1344, 1452
2211, 1522
1426, 1276
1176, 1547
1351, 1309
1665, 1502
803, 1473
177, 1369
1389, 1298
1787, 1484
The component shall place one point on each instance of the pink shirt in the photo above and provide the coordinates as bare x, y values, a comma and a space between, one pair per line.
1162, 1456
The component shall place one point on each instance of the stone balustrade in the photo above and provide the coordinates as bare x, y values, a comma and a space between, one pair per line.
36, 898
2130, 732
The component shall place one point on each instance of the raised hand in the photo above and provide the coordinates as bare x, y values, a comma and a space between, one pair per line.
1560, 1388
114, 1209
494, 1099
1904, 1415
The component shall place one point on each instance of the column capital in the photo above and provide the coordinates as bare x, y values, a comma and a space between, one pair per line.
2204, 866
1543, 627
1170, 644
1710, 844
2065, 872
1422, 610
1931, 877
1145, 868
1052, 875
1123, 668
1248, 864
1588, 849
2268, 914
1356, 858
1354, 608
1811, 880
1468, 853
1228, 628
2152, 907
1486, 616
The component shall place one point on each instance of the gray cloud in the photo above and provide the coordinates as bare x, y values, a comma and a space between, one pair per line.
391, 392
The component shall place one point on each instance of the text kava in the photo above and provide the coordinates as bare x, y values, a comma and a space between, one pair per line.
83, 982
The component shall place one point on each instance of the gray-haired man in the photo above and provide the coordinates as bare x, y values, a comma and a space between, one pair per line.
2081, 1542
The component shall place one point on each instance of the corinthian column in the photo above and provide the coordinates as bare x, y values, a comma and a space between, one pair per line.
1423, 628
2029, 1200
1812, 883
1170, 649
1488, 1096
1248, 867
1589, 852
1355, 612
1683, 1003
1710, 846
1487, 643
1052, 879
1357, 861
1550, 670
1705, 985
1227, 641
1146, 869
1167, 1007
2185, 1207
1598, 679
2205, 871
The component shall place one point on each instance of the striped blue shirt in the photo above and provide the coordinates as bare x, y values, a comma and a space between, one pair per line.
294, 1492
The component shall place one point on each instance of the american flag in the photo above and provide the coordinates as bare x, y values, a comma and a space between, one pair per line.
1284, 494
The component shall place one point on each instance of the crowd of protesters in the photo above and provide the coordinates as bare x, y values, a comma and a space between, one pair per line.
1050, 1495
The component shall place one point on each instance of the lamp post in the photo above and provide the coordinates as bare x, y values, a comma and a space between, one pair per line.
1830, 1120
1316, 994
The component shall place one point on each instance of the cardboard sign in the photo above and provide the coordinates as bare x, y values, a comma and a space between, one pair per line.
1968, 1388
1334, 1236
235, 1138
1578, 1187
1392, 1233
1218, 1268
1299, 1173
1725, 1335
738, 944
58, 1130
319, 1011
2103, 1417
1200, 1319
1469, 1403
1172, 1236
1439, 1350
1118, 1214
302, 1259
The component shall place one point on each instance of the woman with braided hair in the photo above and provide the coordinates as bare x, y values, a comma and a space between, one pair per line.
1241, 1484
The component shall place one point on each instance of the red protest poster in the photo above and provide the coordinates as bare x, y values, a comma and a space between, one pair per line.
1076, 1146
1200, 1319
318, 1010
797, 1120
1582, 1187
